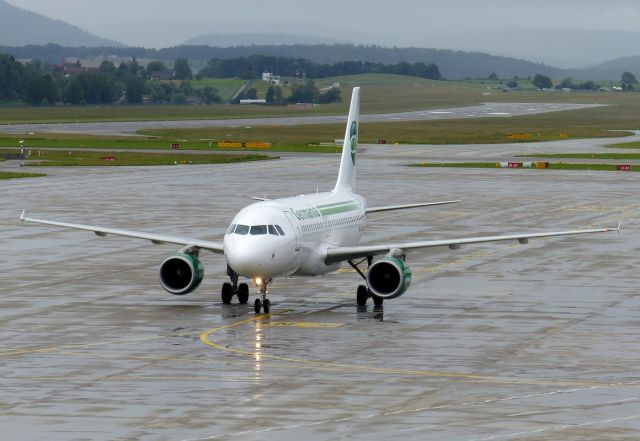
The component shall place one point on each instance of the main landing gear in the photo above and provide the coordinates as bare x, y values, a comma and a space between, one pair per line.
364, 293
230, 289
265, 303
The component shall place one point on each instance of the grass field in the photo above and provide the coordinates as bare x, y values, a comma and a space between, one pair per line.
552, 166
628, 145
616, 156
11, 175
226, 87
590, 123
35, 142
381, 93
85, 158
24, 114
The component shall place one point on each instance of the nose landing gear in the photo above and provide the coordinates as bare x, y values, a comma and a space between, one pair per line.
265, 303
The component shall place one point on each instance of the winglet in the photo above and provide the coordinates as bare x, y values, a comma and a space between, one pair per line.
618, 228
22, 218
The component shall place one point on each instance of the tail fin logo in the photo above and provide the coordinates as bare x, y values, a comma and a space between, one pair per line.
354, 141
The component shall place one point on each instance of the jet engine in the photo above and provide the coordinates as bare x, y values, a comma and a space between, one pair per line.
389, 277
181, 273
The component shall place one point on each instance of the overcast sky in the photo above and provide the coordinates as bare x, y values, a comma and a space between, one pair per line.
420, 23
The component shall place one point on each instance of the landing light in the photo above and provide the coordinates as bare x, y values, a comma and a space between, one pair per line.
258, 281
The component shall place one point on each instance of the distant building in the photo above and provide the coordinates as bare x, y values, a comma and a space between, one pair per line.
271, 78
162, 75
263, 101
74, 68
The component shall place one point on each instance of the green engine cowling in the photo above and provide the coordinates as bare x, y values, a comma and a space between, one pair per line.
389, 277
181, 273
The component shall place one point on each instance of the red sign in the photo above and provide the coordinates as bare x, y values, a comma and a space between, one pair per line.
624, 167
514, 164
108, 158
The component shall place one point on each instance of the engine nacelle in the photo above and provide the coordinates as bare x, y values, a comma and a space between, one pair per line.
389, 277
181, 273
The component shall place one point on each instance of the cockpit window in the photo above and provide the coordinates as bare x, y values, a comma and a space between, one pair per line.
242, 230
258, 230
255, 230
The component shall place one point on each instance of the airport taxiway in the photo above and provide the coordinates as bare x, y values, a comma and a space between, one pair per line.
491, 342
496, 110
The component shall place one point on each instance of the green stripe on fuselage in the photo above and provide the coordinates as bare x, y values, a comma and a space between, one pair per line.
320, 207
338, 209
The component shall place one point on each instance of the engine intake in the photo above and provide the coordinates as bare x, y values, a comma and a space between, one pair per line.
389, 277
181, 273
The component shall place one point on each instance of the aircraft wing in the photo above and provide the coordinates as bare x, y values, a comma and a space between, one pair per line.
157, 239
339, 254
404, 207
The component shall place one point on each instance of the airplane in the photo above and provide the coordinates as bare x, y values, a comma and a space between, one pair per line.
309, 235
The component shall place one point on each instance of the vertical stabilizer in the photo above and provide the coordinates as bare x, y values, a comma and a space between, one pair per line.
347, 174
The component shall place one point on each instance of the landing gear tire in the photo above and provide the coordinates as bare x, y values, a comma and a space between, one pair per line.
266, 306
243, 293
257, 306
377, 301
227, 293
362, 295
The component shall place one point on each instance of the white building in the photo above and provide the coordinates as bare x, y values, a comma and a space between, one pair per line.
271, 78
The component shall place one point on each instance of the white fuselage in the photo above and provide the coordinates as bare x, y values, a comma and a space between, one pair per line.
255, 246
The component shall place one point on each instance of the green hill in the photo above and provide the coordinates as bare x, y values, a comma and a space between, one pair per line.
19, 27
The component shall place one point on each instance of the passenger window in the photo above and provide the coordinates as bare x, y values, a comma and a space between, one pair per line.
231, 228
279, 230
258, 230
272, 230
242, 230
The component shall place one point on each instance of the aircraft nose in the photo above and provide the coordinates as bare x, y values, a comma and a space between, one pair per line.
250, 258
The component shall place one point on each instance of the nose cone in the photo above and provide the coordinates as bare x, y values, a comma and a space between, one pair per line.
252, 257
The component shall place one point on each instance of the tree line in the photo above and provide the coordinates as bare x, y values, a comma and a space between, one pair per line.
305, 92
628, 82
452, 64
249, 67
38, 83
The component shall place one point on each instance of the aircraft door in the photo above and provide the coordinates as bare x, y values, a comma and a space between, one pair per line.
296, 227
328, 235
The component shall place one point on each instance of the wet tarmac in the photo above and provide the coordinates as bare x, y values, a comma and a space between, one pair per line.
118, 128
491, 342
